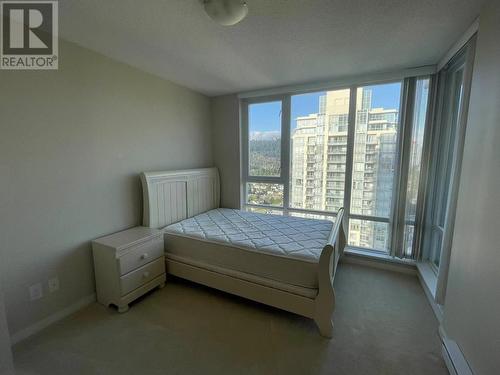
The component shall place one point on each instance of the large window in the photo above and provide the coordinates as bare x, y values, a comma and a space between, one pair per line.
312, 153
375, 150
445, 148
415, 161
264, 146
319, 123
444, 153
264, 163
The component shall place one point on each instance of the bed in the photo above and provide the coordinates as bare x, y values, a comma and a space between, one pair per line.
283, 261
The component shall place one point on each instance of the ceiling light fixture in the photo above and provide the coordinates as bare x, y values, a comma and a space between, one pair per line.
226, 12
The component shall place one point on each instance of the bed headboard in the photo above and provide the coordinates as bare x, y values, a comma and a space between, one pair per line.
172, 196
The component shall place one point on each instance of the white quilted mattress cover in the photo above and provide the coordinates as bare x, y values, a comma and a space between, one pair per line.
281, 248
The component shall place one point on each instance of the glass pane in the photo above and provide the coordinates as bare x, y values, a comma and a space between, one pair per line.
375, 147
408, 242
307, 215
264, 210
369, 234
453, 117
318, 150
443, 155
264, 139
417, 143
264, 193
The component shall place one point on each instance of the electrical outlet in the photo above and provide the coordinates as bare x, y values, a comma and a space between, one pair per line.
36, 291
53, 284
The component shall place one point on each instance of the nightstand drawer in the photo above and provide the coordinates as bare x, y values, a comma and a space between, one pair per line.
141, 276
141, 255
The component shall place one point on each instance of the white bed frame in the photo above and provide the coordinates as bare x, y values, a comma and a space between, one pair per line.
176, 195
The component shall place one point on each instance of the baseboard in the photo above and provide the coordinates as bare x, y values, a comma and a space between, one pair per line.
453, 356
51, 319
389, 265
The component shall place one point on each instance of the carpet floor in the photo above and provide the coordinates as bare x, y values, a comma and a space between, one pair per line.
383, 324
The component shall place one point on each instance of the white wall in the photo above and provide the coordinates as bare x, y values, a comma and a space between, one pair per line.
226, 147
472, 306
72, 145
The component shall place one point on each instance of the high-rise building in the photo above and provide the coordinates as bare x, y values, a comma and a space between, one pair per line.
319, 150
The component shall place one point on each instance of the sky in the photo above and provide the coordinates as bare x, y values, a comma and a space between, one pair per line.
267, 116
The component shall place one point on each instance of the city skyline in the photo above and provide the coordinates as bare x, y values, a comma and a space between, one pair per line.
265, 117
318, 161
318, 152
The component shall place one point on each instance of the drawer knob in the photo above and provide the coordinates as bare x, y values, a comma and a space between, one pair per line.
144, 256
145, 274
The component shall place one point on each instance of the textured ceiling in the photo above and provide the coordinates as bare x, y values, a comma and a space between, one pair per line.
280, 42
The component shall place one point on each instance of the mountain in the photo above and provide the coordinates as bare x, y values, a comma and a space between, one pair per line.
265, 136
265, 155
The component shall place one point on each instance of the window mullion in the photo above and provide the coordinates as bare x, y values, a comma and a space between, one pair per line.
370, 218
285, 150
426, 175
349, 156
456, 165
244, 146
401, 168
264, 179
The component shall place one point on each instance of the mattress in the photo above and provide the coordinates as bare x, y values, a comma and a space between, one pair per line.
279, 248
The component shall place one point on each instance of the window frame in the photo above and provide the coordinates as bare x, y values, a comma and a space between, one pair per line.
245, 157
284, 178
465, 58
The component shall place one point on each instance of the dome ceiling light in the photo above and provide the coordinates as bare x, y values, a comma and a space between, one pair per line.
226, 12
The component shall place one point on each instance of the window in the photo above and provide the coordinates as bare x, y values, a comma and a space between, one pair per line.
444, 152
264, 160
369, 234
312, 153
416, 147
434, 228
264, 139
324, 163
375, 140
265, 194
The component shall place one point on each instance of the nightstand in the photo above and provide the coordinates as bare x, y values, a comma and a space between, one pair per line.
127, 265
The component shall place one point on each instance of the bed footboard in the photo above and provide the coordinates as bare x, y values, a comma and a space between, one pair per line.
325, 300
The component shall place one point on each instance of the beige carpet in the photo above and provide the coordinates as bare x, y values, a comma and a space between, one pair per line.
383, 325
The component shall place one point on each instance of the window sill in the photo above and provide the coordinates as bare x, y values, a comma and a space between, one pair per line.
356, 251
378, 260
428, 279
